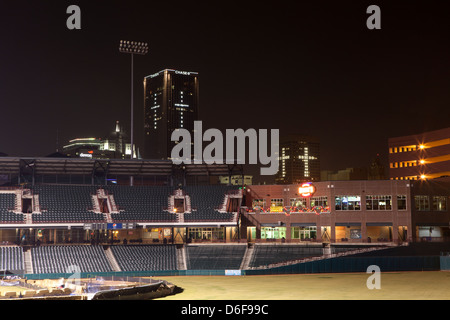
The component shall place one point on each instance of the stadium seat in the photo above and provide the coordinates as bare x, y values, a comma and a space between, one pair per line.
66, 203
206, 201
215, 257
58, 259
271, 254
11, 258
141, 203
145, 257
7, 203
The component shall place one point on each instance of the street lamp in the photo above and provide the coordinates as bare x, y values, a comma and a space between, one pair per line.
133, 47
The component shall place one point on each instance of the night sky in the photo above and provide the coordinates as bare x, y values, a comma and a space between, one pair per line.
301, 67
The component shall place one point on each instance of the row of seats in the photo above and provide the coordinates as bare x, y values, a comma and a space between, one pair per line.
413, 249
73, 203
7, 203
11, 258
142, 203
271, 254
69, 259
146, 257
65, 203
73, 258
205, 202
216, 257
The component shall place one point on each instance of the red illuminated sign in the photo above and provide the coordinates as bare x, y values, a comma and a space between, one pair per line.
306, 190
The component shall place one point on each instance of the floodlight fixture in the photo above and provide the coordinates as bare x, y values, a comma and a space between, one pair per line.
133, 47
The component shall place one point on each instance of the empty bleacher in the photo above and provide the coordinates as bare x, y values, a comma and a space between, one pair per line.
271, 254
214, 257
58, 259
73, 204
205, 202
66, 203
145, 257
7, 204
413, 249
11, 259
141, 203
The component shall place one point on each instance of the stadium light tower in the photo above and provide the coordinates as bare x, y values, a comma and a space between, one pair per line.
133, 47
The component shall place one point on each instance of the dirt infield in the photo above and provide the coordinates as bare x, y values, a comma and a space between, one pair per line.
394, 286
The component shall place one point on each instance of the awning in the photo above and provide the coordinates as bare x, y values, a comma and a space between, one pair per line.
348, 224
273, 225
303, 224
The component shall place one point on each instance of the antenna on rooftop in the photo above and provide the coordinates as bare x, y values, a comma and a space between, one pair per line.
57, 140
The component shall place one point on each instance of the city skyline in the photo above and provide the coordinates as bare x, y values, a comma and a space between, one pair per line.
301, 68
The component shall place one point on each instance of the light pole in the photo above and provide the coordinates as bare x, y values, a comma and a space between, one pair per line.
132, 47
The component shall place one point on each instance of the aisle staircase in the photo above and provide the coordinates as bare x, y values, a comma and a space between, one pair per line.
247, 257
112, 260
181, 258
28, 262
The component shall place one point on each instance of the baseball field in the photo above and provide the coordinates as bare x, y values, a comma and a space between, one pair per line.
431, 285
349, 286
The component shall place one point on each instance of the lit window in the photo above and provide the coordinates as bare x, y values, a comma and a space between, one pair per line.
378, 202
422, 203
352, 202
439, 203
401, 202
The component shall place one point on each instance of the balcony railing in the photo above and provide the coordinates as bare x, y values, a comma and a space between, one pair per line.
290, 210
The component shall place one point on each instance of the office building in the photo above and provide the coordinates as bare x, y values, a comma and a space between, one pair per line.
420, 156
171, 99
114, 146
348, 211
299, 159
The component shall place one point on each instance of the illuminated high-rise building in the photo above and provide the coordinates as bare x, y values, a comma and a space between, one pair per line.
421, 156
171, 99
114, 146
299, 160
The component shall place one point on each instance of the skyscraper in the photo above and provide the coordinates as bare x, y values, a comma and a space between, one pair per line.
170, 102
299, 160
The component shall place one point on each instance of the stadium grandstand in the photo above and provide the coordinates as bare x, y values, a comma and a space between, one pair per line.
59, 213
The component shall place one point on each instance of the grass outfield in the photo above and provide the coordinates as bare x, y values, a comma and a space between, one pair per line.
348, 286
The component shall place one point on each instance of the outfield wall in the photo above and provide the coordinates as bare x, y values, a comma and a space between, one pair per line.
445, 263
